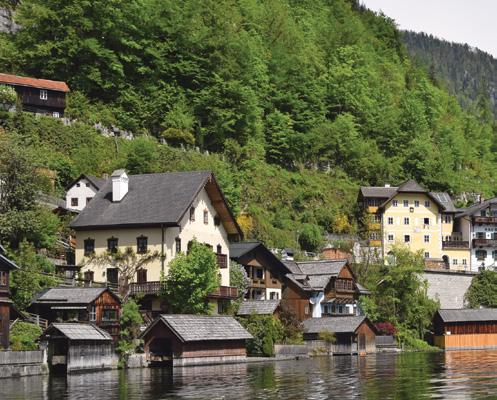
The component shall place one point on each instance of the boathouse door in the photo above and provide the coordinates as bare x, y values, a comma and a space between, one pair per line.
362, 342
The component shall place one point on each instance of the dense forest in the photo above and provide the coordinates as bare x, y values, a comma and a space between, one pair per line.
292, 103
468, 73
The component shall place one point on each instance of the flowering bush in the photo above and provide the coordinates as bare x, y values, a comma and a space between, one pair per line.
386, 328
7, 95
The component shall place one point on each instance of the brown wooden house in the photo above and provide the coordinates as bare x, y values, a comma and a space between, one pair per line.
353, 334
195, 339
40, 96
6, 266
321, 289
464, 329
99, 306
265, 271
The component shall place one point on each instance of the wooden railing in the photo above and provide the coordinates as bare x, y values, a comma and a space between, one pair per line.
37, 320
485, 220
227, 292
344, 285
455, 244
485, 242
153, 287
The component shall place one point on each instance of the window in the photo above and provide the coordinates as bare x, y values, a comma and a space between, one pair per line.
88, 199
390, 238
93, 313
373, 202
374, 236
274, 295
395, 203
427, 203
206, 217
192, 214
56, 114
427, 238
178, 245
43, 95
306, 309
416, 203
89, 245
219, 249
464, 261
78, 184
74, 201
3, 278
426, 221
406, 221
109, 315
112, 244
447, 219
377, 218
141, 244
407, 238
259, 273
141, 275
427, 255
390, 220
340, 309
406, 203
480, 235
454, 261
481, 255
494, 254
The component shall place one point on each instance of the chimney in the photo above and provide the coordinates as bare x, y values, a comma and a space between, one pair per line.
105, 176
387, 185
119, 184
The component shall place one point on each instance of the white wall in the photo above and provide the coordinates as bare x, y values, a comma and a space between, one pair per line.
84, 191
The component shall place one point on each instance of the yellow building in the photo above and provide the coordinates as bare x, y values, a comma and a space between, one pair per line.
412, 216
159, 213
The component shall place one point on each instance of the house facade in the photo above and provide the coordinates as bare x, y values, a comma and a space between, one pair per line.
80, 192
39, 96
264, 270
412, 216
6, 266
160, 213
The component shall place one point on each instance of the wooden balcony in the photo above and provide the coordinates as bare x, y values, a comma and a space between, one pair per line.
145, 288
222, 260
374, 243
224, 292
455, 244
484, 242
342, 285
485, 220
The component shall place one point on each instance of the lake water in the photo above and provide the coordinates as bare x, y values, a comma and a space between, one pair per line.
452, 375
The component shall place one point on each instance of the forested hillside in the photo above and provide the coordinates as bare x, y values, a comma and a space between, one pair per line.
298, 102
468, 73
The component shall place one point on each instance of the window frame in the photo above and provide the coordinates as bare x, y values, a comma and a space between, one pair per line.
426, 239
416, 203
405, 203
390, 221
74, 202
177, 243
427, 203
408, 237
4, 278
206, 217
43, 94
110, 310
192, 214
87, 252
112, 249
141, 244
395, 203
407, 221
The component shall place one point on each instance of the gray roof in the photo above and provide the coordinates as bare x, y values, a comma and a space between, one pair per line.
239, 249
411, 186
7, 263
444, 199
76, 331
191, 328
468, 315
259, 307
348, 324
314, 275
95, 181
68, 295
152, 200
478, 207
361, 289
378, 191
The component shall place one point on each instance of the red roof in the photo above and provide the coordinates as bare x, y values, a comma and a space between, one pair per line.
33, 82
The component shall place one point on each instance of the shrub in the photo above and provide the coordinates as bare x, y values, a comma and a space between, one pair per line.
386, 328
7, 95
311, 237
24, 336
266, 331
327, 336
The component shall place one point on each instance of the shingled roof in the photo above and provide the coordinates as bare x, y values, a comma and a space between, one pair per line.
154, 200
378, 191
97, 182
33, 82
468, 315
76, 331
259, 307
238, 250
194, 328
4, 261
313, 275
475, 208
69, 295
346, 324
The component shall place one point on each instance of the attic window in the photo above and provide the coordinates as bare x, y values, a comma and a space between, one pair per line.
192, 214
43, 95
206, 217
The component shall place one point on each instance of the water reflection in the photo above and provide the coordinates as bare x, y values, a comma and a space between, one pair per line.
453, 375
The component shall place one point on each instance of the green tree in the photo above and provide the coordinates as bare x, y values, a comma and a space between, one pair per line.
311, 237
240, 280
24, 336
266, 331
130, 323
190, 279
483, 290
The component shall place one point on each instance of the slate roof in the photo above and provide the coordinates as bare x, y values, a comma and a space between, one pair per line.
152, 200
411, 186
378, 191
5, 262
444, 199
468, 315
259, 307
194, 328
34, 82
478, 207
346, 324
68, 295
239, 249
75, 331
313, 275
361, 289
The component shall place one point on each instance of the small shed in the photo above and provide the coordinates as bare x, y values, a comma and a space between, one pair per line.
259, 307
353, 334
77, 347
195, 340
465, 329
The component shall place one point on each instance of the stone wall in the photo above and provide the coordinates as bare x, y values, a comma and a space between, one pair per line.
22, 363
449, 287
7, 25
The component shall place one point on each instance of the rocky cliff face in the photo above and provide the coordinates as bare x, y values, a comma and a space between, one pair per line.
7, 25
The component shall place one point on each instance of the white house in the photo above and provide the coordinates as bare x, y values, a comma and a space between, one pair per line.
80, 192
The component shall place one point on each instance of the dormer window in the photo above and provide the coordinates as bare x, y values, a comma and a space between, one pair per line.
141, 244
192, 214
206, 217
112, 244
43, 95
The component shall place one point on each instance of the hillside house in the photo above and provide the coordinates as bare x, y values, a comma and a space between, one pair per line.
80, 192
6, 266
156, 213
39, 96
264, 270
98, 306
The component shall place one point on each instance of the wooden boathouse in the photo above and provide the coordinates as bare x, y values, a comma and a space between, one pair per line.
465, 329
195, 340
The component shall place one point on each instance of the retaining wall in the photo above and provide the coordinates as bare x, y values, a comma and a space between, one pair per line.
22, 363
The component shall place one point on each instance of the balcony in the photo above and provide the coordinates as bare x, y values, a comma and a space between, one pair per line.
484, 242
224, 292
485, 220
342, 285
374, 226
374, 243
145, 288
455, 244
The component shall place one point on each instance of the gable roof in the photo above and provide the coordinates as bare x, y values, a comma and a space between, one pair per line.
444, 199
477, 207
468, 315
346, 324
77, 331
192, 328
154, 200
314, 275
70, 295
378, 191
6, 262
97, 182
33, 82
259, 307
239, 249
411, 186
